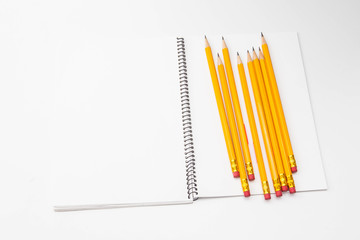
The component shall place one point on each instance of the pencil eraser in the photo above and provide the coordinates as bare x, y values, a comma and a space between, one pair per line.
292, 190
267, 196
247, 194
251, 177
284, 188
278, 193
236, 174
294, 169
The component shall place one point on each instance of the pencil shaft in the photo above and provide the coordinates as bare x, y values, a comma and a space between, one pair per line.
269, 122
221, 109
286, 164
264, 130
252, 124
238, 114
284, 159
254, 133
232, 123
279, 108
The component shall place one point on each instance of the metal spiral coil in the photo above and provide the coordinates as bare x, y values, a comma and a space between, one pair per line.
192, 190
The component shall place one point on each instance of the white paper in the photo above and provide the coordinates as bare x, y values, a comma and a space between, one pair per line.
116, 126
213, 168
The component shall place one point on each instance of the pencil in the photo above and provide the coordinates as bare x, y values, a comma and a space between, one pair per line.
264, 129
254, 133
286, 164
269, 121
279, 108
233, 130
237, 109
221, 109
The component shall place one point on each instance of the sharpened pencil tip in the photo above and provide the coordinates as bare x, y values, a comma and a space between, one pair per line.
262, 34
223, 43
253, 49
259, 49
238, 53
238, 59
222, 37
218, 55
248, 51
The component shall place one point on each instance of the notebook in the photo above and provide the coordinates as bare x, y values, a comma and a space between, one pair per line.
135, 121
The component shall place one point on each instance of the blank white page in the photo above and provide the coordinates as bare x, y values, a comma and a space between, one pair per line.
116, 126
213, 168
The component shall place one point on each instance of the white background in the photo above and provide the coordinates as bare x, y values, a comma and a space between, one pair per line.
329, 36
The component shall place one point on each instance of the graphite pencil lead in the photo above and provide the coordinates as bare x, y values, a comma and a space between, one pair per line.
253, 49
205, 36
218, 55
259, 49
238, 53
262, 34
222, 37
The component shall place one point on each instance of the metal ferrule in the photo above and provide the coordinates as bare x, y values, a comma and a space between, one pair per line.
249, 168
290, 181
265, 186
245, 185
233, 165
282, 179
277, 185
292, 161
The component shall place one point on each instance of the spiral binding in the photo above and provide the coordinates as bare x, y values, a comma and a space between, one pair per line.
192, 190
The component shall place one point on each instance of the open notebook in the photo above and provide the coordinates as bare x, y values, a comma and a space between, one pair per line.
125, 135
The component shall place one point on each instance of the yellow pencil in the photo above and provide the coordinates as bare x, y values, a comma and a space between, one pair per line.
221, 109
269, 121
254, 133
233, 130
279, 108
238, 114
286, 164
264, 128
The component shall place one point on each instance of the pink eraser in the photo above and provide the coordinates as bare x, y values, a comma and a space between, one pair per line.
284, 188
247, 194
292, 190
267, 196
294, 169
251, 177
278, 193
236, 174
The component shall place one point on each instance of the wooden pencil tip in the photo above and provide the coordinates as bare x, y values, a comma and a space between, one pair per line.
222, 37
253, 49
261, 55
237, 53
238, 59
223, 43
206, 42
219, 62
263, 39
262, 34
248, 56
255, 55
259, 49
